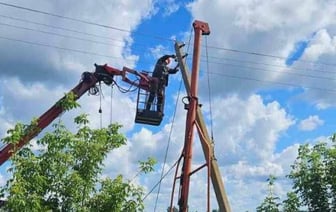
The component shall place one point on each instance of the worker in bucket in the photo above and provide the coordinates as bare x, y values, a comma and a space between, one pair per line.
160, 81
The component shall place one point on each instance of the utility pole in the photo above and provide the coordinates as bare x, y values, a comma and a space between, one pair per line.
198, 120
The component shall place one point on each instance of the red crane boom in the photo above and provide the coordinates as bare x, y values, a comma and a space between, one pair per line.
103, 73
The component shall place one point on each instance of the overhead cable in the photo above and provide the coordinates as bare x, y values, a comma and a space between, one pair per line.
83, 21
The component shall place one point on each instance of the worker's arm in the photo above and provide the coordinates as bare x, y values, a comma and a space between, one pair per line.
173, 70
165, 57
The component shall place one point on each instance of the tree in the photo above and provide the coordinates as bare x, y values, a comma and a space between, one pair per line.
117, 195
331, 172
309, 176
269, 204
292, 203
64, 175
313, 176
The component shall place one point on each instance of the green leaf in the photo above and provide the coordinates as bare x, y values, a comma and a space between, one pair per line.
65, 176
68, 102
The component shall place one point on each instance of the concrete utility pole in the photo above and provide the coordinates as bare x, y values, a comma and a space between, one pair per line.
198, 120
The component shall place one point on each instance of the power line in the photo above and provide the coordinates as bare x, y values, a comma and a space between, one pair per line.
253, 68
156, 37
83, 21
68, 30
62, 48
71, 37
63, 17
64, 36
267, 55
273, 82
272, 71
145, 34
105, 43
60, 35
109, 56
61, 28
271, 65
257, 69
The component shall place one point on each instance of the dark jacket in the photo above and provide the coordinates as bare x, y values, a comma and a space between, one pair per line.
161, 70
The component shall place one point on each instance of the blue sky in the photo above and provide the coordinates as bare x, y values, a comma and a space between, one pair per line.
270, 67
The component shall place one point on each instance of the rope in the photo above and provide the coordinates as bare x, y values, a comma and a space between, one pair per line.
167, 148
209, 88
159, 181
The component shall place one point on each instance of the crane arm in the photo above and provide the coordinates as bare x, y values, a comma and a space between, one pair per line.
103, 73
89, 80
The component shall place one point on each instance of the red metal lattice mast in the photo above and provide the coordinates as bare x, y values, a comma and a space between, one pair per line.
200, 28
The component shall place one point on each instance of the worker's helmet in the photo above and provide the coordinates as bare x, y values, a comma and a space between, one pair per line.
167, 61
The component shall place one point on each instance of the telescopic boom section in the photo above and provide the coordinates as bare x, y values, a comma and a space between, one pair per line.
103, 73
200, 29
206, 140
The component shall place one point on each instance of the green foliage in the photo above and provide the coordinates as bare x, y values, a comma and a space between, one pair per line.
309, 176
117, 195
68, 102
18, 132
292, 203
270, 203
63, 176
331, 172
314, 179
15, 134
147, 166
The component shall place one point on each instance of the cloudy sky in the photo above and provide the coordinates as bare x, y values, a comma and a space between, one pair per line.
267, 69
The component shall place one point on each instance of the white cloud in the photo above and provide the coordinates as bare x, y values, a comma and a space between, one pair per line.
286, 157
272, 28
310, 123
246, 132
170, 7
251, 128
244, 169
322, 43
246, 181
157, 51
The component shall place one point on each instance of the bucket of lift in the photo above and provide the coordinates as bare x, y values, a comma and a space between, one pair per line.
144, 116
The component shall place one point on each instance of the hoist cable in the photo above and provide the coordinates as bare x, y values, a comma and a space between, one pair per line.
209, 87
211, 125
100, 104
129, 89
111, 106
